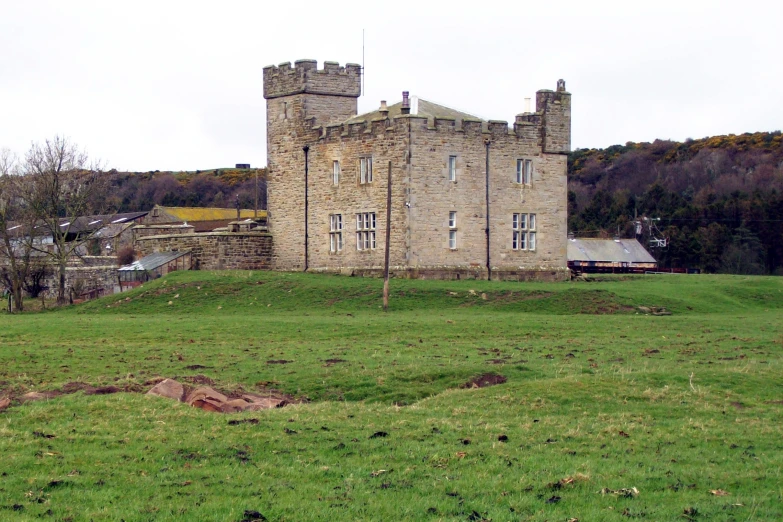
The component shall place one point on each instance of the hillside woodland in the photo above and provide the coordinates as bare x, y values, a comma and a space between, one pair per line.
134, 191
719, 199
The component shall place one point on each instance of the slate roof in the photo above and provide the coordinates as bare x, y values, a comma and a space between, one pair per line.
90, 223
608, 250
153, 261
422, 107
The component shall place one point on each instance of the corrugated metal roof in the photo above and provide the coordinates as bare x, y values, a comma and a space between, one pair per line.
153, 261
425, 108
90, 223
195, 214
608, 250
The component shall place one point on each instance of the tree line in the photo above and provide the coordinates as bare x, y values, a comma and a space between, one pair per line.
139, 191
719, 199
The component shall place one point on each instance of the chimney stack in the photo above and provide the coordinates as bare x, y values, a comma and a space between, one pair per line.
406, 103
527, 104
384, 110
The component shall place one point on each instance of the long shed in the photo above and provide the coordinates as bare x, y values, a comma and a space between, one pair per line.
609, 255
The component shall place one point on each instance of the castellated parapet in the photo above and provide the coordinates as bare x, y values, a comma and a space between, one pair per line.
306, 77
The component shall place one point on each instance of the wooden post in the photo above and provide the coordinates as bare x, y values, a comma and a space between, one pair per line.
388, 240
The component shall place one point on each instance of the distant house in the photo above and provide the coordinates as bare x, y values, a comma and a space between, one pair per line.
609, 255
202, 219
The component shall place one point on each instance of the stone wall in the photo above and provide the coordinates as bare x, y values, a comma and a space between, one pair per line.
433, 196
161, 230
85, 278
215, 250
351, 197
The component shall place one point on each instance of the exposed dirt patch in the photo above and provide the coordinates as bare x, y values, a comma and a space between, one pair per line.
101, 390
196, 367
739, 405
73, 387
236, 422
330, 362
199, 380
482, 381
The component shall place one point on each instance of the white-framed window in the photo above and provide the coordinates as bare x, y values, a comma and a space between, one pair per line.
335, 232
365, 231
365, 170
335, 172
524, 171
452, 230
452, 168
523, 231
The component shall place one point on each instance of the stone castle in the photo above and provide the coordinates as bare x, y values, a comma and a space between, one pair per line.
470, 198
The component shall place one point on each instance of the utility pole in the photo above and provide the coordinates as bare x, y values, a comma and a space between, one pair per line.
388, 240
489, 265
306, 150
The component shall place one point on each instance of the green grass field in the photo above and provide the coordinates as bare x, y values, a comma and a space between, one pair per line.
599, 399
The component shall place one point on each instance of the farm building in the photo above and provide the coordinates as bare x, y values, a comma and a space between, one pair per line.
609, 255
201, 219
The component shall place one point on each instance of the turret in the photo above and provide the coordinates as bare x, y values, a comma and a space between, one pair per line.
555, 110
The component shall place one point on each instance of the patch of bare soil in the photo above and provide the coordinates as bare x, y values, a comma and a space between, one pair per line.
198, 380
331, 362
482, 381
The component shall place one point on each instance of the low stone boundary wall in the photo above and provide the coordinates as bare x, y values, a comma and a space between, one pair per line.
101, 280
214, 250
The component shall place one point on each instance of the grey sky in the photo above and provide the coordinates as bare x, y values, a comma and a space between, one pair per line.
177, 85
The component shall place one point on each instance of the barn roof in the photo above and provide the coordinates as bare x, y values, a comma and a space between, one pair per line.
608, 250
195, 214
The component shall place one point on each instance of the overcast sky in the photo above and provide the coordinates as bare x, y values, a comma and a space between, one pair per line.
176, 85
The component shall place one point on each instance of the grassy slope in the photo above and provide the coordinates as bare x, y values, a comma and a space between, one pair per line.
576, 378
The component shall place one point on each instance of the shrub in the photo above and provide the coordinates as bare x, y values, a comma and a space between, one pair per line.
126, 256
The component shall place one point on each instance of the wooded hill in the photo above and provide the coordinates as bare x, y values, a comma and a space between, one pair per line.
134, 191
719, 199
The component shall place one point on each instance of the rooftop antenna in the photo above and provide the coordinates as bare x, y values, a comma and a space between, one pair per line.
363, 74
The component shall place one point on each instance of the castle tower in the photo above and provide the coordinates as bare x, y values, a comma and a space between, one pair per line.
555, 107
298, 100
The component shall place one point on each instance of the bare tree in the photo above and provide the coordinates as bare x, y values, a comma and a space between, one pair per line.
16, 256
61, 188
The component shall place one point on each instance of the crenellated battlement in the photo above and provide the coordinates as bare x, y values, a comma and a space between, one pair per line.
306, 77
527, 127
